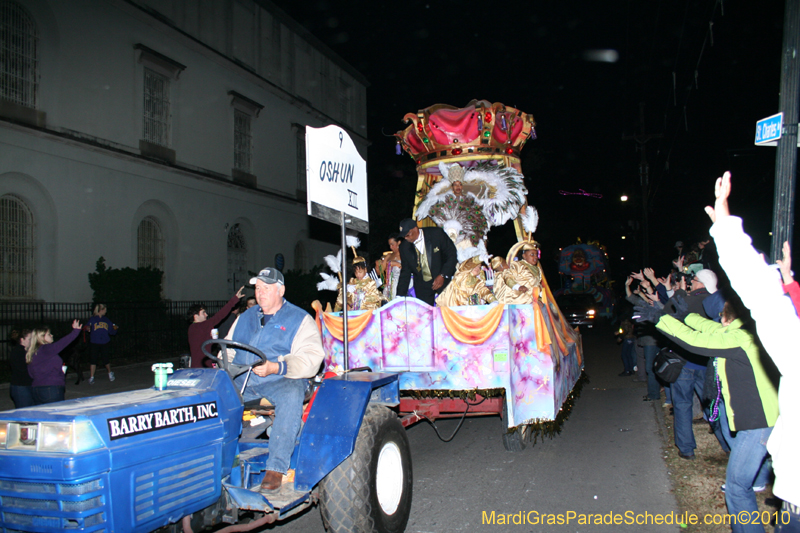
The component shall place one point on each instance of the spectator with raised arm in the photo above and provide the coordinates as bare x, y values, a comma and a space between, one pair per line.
200, 326
749, 396
645, 338
778, 328
657, 284
45, 363
790, 286
100, 330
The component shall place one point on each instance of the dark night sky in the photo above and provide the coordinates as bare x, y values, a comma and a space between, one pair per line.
530, 55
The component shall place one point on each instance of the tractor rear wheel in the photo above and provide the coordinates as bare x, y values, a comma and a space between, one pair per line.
370, 492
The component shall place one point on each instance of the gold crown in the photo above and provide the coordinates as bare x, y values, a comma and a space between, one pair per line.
456, 173
478, 131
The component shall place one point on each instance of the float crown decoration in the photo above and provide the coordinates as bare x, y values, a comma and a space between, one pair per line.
479, 130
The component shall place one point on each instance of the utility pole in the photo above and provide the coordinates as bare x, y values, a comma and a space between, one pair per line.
641, 139
786, 157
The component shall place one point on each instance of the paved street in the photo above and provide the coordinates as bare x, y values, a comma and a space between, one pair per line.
606, 459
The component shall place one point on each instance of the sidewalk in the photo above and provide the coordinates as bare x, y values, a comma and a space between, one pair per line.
130, 377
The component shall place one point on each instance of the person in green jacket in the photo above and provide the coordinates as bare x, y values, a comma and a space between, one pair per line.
751, 398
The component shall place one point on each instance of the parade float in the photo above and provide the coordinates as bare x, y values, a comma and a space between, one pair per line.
519, 361
583, 268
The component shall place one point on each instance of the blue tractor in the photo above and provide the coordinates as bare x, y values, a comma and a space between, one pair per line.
183, 459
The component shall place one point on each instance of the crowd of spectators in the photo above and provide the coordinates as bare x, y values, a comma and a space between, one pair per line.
731, 326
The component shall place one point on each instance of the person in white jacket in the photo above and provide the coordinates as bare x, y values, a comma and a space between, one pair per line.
778, 326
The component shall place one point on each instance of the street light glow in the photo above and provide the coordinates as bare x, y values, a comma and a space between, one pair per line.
624, 198
623, 237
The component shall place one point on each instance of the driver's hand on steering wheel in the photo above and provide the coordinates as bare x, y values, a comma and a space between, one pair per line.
266, 369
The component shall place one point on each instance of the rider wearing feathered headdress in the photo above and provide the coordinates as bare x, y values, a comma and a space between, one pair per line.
362, 291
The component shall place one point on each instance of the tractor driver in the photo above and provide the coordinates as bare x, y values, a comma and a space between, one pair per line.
289, 338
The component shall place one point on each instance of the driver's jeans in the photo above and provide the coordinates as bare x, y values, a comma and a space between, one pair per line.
286, 395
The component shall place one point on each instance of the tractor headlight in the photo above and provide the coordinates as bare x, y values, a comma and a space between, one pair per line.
59, 437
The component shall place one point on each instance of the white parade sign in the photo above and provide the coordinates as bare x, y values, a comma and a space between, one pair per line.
336, 178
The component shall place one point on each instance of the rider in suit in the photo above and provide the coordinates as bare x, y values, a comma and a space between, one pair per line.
430, 255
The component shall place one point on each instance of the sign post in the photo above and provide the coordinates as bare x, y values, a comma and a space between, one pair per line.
336, 182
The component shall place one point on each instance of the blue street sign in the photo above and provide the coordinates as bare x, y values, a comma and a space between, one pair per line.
768, 130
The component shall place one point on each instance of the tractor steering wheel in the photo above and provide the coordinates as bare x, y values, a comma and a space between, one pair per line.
232, 369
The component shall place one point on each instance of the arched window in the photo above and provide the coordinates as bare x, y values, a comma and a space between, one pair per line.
18, 55
150, 241
300, 256
17, 247
237, 257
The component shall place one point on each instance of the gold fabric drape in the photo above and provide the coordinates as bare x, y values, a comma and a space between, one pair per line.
472, 330
355, 325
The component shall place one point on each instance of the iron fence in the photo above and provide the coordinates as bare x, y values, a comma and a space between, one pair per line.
147, 330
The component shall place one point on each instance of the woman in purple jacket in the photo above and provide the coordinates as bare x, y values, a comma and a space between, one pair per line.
45, 365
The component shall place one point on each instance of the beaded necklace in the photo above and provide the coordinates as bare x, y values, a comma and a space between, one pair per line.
715, 402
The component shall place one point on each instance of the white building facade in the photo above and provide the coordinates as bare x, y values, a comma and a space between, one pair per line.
165, 133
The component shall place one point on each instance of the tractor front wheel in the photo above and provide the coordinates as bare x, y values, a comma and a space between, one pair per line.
370, 492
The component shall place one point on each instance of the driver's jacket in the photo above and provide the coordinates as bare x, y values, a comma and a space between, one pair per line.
290, 338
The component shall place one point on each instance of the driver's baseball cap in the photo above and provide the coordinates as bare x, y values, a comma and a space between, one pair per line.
269, 275
406, 225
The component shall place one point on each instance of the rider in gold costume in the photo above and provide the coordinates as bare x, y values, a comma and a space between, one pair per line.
523, 279
468, 286
503, 292
362, 292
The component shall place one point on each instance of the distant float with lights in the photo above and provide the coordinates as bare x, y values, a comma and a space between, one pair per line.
585, 292
520, 361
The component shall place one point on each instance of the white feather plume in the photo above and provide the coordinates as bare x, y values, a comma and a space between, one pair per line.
352, 240
485, 256
328, 283
466, 253
474, 251
445, 170
435, 195
530, 219
334, 262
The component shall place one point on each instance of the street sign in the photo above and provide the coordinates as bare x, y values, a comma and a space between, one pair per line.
336, 178
768, 130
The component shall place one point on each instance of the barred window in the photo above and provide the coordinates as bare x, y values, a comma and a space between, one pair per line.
17, 247
156, 108
150, 240
242, 141
300, 144
237, 257
18, 55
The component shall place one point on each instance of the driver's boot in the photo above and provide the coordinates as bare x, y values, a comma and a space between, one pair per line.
272, 480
